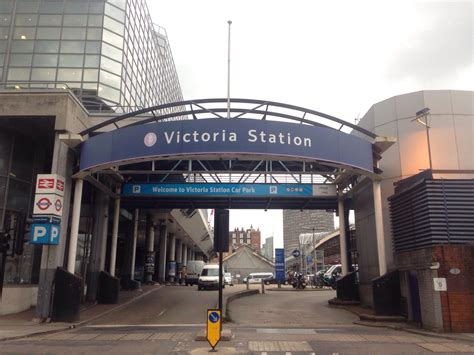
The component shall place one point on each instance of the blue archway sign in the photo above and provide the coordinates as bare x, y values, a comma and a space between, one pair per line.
217, 138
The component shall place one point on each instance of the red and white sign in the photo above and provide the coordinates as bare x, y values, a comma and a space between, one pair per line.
50, 184
48, 204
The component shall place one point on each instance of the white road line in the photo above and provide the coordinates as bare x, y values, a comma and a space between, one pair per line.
111, 326
161, 313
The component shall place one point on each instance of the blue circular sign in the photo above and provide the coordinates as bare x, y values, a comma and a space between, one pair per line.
213, 317
296, 253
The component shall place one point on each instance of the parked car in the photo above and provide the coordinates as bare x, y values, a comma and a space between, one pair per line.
257, 277
209, 278
228, 279
193, 270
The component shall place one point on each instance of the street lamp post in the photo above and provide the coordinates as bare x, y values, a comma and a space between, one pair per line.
422, 118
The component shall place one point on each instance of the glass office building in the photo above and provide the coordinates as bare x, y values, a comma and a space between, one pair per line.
108, 52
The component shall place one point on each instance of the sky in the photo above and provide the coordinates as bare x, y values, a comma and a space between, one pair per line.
336, 57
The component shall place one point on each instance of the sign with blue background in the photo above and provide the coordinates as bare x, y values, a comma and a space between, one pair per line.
241, 190
46, 233
220, 137
280, 264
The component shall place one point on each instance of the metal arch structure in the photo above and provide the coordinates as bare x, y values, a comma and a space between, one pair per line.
213, 169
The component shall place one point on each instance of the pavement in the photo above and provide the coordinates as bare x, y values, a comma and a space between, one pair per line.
310, 326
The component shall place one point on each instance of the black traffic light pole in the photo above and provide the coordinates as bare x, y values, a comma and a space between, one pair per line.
221, 243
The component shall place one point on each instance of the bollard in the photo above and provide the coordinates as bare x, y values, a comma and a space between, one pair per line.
279, 284
247, 283
263, 286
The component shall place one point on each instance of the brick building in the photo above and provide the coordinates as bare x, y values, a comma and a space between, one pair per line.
250, 236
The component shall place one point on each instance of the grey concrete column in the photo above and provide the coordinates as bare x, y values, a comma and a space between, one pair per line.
179, 251
104, 233
115, 228
53, 255
150, 246
185, 255
162, 260
342, 236
134, 243
76, 215
172, 241
379, 227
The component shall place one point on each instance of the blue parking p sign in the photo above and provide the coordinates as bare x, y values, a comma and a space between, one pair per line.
45, 233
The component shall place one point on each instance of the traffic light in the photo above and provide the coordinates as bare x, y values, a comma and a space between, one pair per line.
4, 242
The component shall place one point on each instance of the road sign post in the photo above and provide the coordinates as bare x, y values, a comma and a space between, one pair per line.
214, 321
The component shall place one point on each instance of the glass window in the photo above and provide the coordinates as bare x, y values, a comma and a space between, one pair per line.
48, 33
90, 86
96, 6
109, 79
75, 7
113, 25
50, 20
18, 191
2, 59
91, 75
22, 46
74, 33
95, 20
27, 6
72, 46
6, 5
45, 60
115, 13
5, 20
75, 20
109, 93
112, 38
4, 32
111, 65
47, 46
52, 6
5, 151
26, 20
21, 60
69, 74
94, 34
118, 3
111, 51
92, 47
3, 46
92, 61
24, 33
44, 74
70, 60
18, 74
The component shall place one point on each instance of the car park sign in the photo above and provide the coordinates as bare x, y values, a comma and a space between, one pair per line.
46, 233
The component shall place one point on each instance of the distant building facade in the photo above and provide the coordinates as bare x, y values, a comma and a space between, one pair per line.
296, 222
250, 236
267, 248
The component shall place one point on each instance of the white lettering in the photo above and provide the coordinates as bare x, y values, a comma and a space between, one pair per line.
187, 137
252, 136
169, 138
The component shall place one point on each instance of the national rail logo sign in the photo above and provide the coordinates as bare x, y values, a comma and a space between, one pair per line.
50, 184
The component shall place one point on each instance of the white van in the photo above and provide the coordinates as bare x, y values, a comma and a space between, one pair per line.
209, 277
257, 277
193, 270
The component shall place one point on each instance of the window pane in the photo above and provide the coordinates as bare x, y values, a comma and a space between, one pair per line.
75, 20
94, 34
95, 20
48, 33
115, 13
112, 38
26, 20
46, 74
91, 75
18, 74
74, 33
47, 47
118, 3
92, 47
90, 86
69, 60
111, 51
111, 65
3, 46
27, 6
92, 61
52, 6
21, 60
2, 59
24, 33
19, 193
72, 46
110, 79
50, 20
69, 74
45, 60
6, 5
5, 151
113, 25
96, 6
109, 93
22, 46
75, 7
